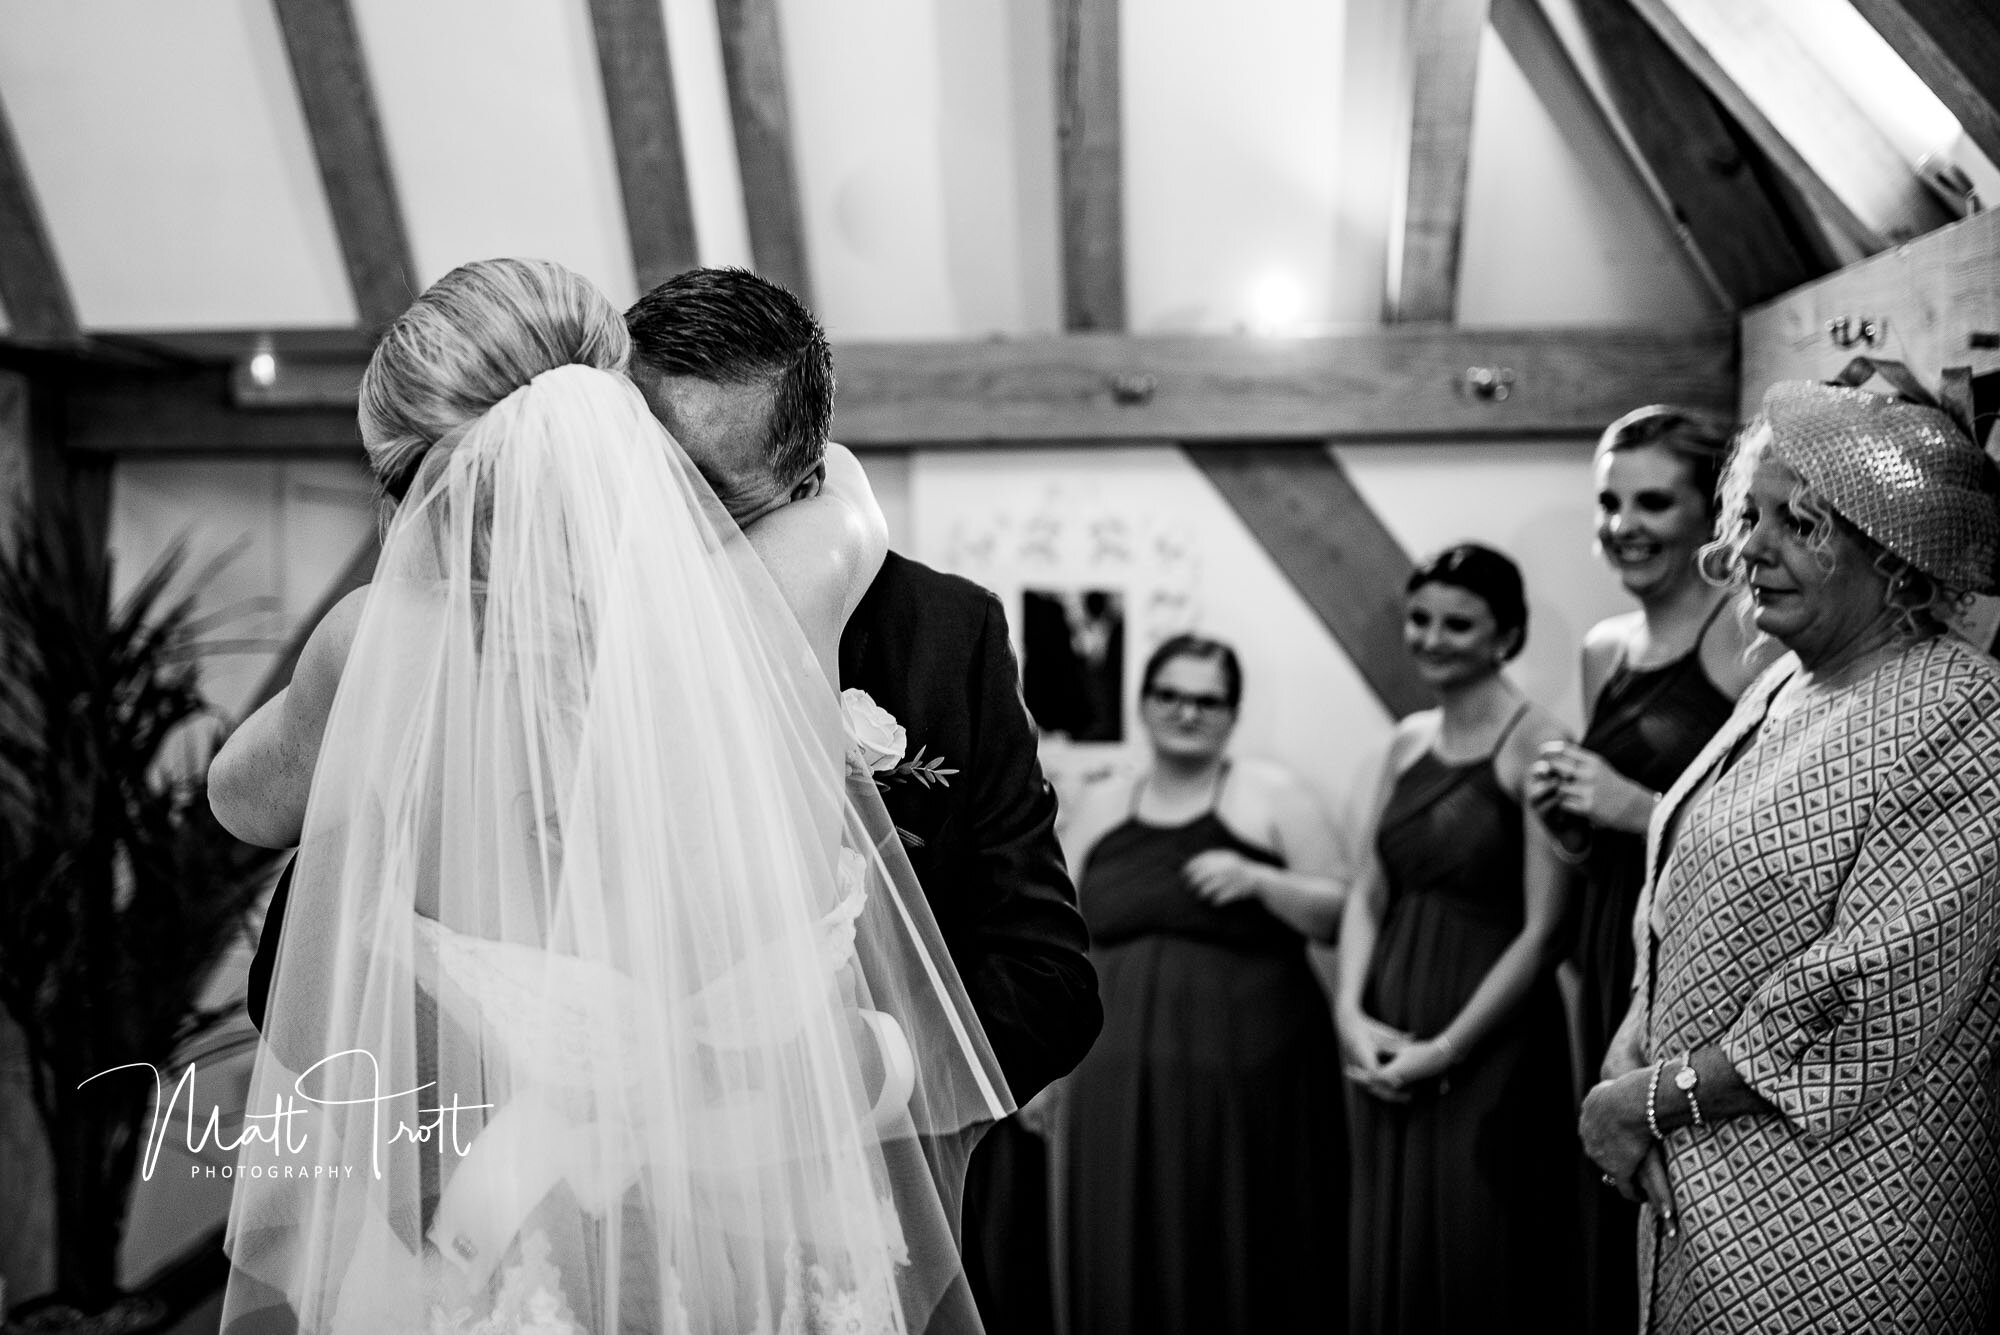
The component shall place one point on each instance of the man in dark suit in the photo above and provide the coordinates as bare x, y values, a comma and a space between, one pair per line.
740, 372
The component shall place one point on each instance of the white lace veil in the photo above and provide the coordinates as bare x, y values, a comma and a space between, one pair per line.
585, 869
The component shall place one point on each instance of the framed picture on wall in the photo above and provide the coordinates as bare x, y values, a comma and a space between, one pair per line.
1073, 661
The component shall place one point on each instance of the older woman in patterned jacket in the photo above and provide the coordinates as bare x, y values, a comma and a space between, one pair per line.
1810, 1105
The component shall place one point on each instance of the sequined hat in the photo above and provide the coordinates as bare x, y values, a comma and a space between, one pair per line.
1904, 474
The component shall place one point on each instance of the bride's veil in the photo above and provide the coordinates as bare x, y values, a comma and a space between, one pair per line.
607, 1000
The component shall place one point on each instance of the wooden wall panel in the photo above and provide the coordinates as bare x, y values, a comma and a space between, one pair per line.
1933, 296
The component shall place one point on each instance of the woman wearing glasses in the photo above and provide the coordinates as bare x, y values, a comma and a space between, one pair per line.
1453, 1029
1202, 1134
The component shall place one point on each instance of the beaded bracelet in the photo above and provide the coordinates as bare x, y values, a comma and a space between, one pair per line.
1652, 1100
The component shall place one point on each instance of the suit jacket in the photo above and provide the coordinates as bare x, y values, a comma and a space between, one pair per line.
932, 649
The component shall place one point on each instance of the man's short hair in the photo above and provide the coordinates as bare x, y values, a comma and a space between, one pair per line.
730, 327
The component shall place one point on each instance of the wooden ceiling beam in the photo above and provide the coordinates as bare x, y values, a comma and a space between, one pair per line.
1704, 163
1327, 540
1583, 107
1801, 117
639, 99
324, 48
1405, 382
32, 289
754, 68
1090, 165
1954, 47
1444, 51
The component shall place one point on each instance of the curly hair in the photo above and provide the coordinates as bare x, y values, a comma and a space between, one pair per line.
1922, 603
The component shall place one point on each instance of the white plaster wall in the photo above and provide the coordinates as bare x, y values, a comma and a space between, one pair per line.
274, 535
1143, 521
166, 146
1557, 227
492, 112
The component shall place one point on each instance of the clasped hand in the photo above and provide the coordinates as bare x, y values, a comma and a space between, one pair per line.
1386, 1062
1565, 777
1221, 876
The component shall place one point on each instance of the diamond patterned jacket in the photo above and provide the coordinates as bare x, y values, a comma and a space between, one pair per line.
1825, 905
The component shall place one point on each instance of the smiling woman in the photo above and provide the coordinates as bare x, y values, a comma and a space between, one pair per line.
1657, 683
1817, 1001
1448, 1011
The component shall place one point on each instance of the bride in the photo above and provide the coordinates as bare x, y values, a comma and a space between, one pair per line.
606, 999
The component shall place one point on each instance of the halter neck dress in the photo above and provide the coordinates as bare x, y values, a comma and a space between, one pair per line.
1464, 1207
1648, 724
1203, 1137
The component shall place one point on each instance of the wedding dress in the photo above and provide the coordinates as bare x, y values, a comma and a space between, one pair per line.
607, 1000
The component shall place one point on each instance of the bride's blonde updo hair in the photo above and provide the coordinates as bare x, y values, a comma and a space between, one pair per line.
475, 336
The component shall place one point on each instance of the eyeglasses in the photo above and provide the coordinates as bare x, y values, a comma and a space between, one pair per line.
1168, 698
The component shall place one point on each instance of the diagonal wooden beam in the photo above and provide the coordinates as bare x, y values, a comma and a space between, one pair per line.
1584, 108
31, 282
1301, 505
1804, 121
360, 569
339, 103
645, 136
1704, 163
1090, 165
754, 68
1953, 46
1444, 48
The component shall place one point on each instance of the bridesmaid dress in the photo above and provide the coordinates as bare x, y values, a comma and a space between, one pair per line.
1648, 724
1464, 1199
1203, 1139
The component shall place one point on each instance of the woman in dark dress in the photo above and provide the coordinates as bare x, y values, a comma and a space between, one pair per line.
1657, 683
1462, 1129
1201, 1138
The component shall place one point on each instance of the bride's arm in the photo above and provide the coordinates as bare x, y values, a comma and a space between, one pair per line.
260, 779
823, 552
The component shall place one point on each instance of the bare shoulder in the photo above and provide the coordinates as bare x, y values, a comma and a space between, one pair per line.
1604, 644
1537, 728
1097, 807
1413, 736
1267, 797
324, 656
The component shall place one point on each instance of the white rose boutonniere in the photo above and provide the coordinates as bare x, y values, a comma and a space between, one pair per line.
873, 735
876, 744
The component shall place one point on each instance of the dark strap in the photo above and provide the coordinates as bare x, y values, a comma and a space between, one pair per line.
1214, 796
1508, 731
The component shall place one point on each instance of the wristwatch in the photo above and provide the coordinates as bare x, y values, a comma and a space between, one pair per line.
1685, 1081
